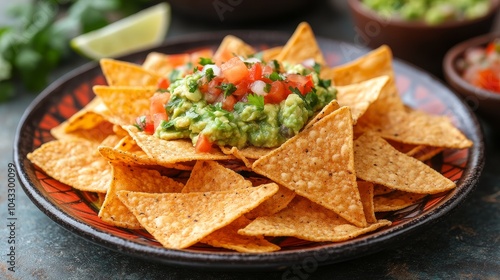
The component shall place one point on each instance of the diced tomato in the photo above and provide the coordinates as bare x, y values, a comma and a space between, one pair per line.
195, 56
255, 72
163, 84
242, 88
277, 93
488, 79
145, 123
303, 83
157, 108
234, 70
203, 144
493, 47
211, 90
228, 103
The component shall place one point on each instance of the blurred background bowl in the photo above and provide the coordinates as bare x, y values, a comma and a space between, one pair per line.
417, 42
483, 102
237, 11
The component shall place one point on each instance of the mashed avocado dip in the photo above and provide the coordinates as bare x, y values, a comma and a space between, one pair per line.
244, 102
430, 11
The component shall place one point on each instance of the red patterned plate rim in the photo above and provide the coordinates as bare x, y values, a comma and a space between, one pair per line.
76, 212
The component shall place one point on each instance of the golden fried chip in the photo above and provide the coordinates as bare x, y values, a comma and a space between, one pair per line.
318, 163
86, 118
330, 107
162, 64
366, 193
272, 205
228, 237
211, 176
380, 189
172, 151
73, 163
361, 95
378, 162
301, 46
180, 220
122, 73
307, 220
416, 128
395, 201
96, 134
125, 103
271, 53
232, 46
132, 178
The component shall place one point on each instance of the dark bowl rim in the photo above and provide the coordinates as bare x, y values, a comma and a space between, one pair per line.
450, 71
357, 7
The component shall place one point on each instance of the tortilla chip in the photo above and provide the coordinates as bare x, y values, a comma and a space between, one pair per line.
330, 107
73, 163
361, 95
211, 176
125, 103
301, 46
232, 46
396, 200
96, 134
271, 53
408, 128
378, 162
318, 163
132, 178
380, 189
122, 73
272, 205
366, 193
162, 64
86, 118
307, 220
180, 220
172, 151
228, 237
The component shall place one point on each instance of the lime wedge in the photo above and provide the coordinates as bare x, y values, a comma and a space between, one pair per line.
141, 30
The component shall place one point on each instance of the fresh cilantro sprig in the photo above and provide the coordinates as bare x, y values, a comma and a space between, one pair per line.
227, 89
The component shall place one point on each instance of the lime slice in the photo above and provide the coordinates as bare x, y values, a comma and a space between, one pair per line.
141, 30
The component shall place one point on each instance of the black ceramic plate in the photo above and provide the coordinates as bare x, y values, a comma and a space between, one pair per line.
76, 211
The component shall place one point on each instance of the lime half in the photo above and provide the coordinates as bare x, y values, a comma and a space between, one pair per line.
141, 30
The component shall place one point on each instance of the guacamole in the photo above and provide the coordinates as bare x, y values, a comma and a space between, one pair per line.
244, 102
431, 12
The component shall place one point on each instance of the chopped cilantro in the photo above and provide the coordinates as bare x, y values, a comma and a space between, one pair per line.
275, 76
316, 67
267, 88
209, 74
192, 85
228, 88
204, 61
257, 100
324, 83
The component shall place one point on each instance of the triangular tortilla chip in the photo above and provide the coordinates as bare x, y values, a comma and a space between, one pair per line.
378, 162
122, 73
318, 163
307, 220
232, 46
228, 237
395, 200
361, 95
125, 103
172, 151
209, 175
301, 46
132, 178
366, 193
180, 220
74, 163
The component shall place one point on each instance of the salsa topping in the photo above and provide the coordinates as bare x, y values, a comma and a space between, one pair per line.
241, 102
481, 66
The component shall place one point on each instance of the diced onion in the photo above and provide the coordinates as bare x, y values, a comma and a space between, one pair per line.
214, 67
309, 62
257, 87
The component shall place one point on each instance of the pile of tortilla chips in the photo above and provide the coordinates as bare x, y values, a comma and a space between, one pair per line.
363, 153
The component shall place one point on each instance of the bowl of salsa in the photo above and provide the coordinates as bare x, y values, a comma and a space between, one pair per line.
472, 68
420, 31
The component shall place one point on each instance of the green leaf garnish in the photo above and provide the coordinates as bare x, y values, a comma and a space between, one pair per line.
204, 61
228, 88
257, 100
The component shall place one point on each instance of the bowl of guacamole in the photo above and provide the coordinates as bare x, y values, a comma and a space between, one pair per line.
421, 31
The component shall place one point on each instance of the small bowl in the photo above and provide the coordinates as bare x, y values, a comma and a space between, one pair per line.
417, 42
484, 102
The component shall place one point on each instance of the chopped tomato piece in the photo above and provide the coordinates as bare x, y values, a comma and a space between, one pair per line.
145, 124
303, 83
158, 118
195, 56
157, 108
176, 60
255, 72
203, 144
163, 84
489, 80
234, 70
242, 88
277, 93
228, 103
